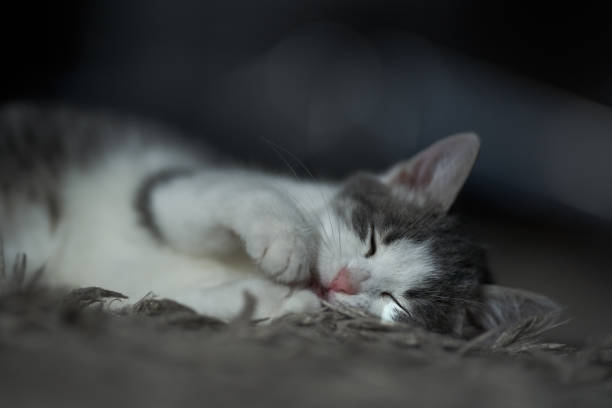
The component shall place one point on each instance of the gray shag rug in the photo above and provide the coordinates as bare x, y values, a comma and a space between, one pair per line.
65, 349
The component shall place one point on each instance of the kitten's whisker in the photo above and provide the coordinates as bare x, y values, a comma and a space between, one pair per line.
277, 149
308, 215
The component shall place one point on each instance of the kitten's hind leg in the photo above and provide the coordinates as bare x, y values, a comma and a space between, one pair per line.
221, 211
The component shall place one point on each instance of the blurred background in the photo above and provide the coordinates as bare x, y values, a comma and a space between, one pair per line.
355, 84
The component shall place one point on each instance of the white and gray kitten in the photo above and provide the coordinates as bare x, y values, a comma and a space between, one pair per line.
126, 206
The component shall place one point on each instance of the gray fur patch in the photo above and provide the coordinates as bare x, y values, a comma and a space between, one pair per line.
142, 199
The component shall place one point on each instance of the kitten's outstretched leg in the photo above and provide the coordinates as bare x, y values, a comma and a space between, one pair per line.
271, 300
219, 211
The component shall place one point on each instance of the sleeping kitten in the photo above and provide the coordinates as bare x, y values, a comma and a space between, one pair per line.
126, 206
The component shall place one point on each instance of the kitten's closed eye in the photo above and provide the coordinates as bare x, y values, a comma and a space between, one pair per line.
392, 310
394, 301
372, 249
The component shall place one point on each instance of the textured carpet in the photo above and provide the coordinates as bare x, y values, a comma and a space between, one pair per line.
63, 349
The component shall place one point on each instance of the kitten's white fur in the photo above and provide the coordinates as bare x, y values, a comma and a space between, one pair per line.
100, 243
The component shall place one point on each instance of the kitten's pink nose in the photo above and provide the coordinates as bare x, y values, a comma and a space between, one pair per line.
344, 282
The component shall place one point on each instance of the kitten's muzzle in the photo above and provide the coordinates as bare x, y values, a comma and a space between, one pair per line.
348, 281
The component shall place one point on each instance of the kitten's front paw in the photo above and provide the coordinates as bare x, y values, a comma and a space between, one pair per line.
282, 251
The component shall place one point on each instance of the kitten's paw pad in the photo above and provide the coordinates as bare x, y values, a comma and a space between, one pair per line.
282, 253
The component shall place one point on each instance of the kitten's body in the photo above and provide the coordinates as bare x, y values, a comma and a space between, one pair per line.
73, 206
125, 207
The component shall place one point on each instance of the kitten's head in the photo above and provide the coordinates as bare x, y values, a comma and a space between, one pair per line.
388, 247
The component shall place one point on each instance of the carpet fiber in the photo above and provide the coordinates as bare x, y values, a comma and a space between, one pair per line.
62, 349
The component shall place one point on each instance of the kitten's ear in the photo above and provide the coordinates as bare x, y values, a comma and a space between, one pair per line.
435, 175
503, 306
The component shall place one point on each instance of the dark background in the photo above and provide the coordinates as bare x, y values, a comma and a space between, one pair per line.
360, 84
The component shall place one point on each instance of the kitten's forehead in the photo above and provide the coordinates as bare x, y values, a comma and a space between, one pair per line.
366, 202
